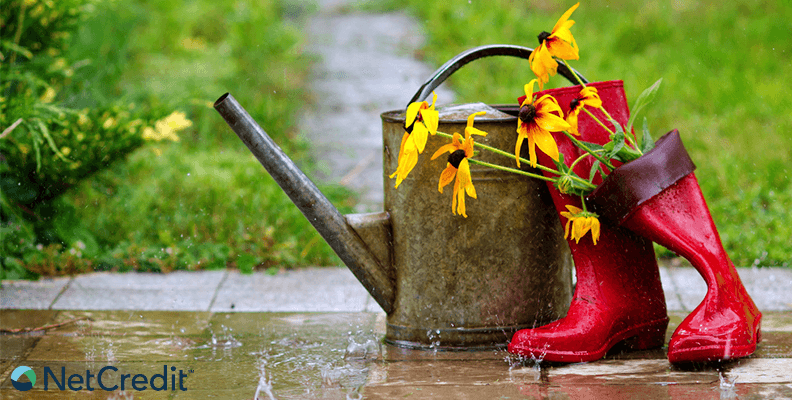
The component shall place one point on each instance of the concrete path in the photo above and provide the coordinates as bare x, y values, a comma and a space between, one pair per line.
306, 290
367, 67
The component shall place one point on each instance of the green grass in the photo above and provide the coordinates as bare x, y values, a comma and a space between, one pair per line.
203, 202
725, 70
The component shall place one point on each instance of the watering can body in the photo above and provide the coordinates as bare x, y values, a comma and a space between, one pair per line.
471, 282
444, 281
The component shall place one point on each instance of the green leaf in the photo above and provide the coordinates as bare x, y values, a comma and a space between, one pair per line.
647, 143
645, 98
594, 167
560, 165
16, 48
616, 143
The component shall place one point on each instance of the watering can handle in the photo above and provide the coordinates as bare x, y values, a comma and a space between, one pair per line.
475, 53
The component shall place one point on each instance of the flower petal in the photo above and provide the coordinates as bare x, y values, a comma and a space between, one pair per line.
550, 122
532, 150
419, 136
451, 147
547, 104
595, 230
465, 179
528, 90
572, 120
574, 210
520, 138
542, 64
412, 112
472, 116
401, 150
469, 131
544, 140
565, 17
431, 119
563, 49
446, 177
407, 162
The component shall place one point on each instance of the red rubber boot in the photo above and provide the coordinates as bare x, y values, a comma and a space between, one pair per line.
726, 325
618, 296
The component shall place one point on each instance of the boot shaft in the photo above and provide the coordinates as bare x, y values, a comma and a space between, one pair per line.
621, 268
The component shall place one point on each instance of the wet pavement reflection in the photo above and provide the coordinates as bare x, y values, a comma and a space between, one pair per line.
196, 355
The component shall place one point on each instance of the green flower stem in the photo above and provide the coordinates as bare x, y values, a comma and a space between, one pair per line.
513, 170
580, 81
585, 148
509, 155
505, 154
598, 120
582, 156
628, 135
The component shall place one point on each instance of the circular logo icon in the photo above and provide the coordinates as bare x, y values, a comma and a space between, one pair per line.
23, 386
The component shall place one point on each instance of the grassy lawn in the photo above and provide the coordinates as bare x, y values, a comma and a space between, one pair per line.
204, 201
724, 71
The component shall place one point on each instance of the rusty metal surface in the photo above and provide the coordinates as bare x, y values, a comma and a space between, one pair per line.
470, 282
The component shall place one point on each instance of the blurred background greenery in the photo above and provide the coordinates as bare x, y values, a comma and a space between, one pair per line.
82, 190
201, 202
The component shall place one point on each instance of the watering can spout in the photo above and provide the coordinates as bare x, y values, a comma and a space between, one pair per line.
362, 241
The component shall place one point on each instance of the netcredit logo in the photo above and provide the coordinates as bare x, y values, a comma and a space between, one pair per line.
26, 371
106, 379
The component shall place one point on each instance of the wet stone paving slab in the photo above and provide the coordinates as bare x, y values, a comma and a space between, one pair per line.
197, 355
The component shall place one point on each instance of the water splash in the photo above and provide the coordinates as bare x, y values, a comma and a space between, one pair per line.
434, 339
727, 386
264, 383
369, 349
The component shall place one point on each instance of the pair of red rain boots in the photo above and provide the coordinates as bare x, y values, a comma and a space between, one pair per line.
618, 297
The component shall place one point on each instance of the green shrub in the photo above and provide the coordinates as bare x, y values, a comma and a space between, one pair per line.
47, 145
203, 202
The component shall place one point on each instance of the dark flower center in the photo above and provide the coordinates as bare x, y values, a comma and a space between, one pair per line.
543, 36
574, 104
456, 157
527, 113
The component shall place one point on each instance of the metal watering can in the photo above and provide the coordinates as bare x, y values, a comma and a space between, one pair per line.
444, 281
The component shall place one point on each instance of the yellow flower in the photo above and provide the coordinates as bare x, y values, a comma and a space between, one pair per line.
109, 123
535, 121
421, 120
177, 121
48, 95
582, 222
459, 167
587, 97
167, 127
559, 43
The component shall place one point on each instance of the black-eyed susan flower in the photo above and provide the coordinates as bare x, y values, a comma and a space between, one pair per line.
587, 97
559, 44
458, 166
421, 119
582, 222
535, 121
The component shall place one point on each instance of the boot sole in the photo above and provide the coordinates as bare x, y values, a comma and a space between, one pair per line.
648, 335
